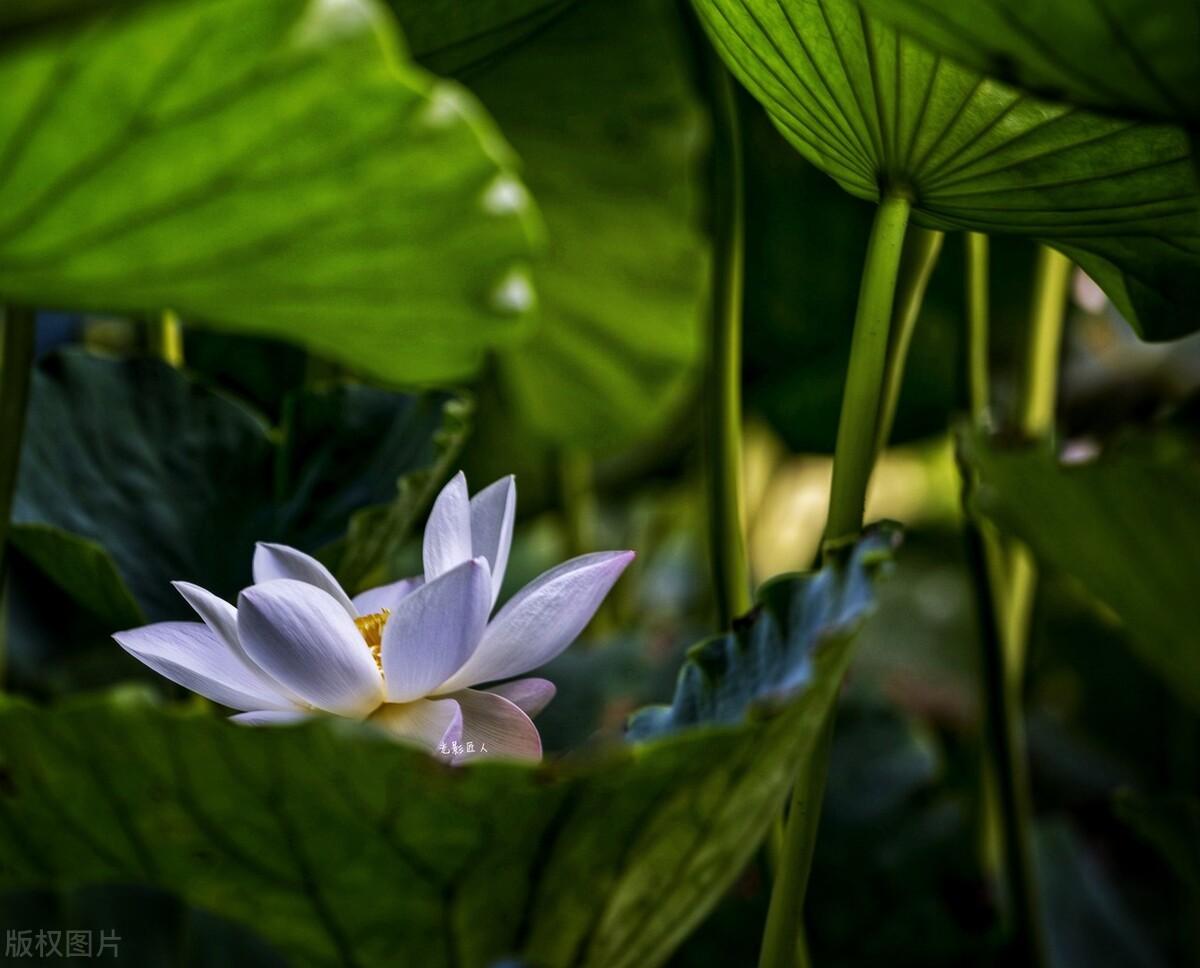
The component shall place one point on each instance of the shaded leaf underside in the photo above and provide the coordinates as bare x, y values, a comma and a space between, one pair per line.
1135, 57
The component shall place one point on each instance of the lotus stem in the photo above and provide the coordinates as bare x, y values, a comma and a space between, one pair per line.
921, 250
858, 426
858, 429
16, 360
165, 338
978, 327
1006, 610
723, 431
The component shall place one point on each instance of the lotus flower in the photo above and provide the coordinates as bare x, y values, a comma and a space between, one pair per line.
404, 656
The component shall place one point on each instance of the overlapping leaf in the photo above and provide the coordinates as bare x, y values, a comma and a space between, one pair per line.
270, 165
601, 110
878, 112
1134, 57
341, 847
1124, 525
182, 489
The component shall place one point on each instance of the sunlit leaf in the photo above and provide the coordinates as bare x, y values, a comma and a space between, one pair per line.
1125, 525
1135, 57
342, 848
269, 165
878, 112
181, 489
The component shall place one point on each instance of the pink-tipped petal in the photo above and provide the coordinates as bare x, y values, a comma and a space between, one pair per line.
493, 727
428, 723
305, 640
270, 717
542, 619
385, 596
530, 695
492, 512
433, 631
192, 655
447, 541
275, 561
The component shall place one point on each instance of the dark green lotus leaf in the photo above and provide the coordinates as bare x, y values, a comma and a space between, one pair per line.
450, 36
340, 847
1133, 57
83, 569
268, 165
182, 489
1124, 525
878, 112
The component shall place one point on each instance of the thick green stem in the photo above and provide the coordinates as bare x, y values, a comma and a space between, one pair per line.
921, 250
15, 372
1006, 609
723, 436
1036, 412
978, 328
164, 337
854, 453
783, 940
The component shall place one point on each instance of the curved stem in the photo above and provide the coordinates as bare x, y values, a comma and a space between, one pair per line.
921, 250
723, 465
16, 359
977, 328
854, 453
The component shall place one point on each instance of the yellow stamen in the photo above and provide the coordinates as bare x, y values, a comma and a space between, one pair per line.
371, 627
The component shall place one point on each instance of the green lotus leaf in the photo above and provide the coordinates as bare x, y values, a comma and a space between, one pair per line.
274, 166
1124, 525
182, 489
1134, 57
880, 113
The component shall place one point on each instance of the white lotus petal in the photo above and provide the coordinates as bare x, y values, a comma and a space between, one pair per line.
221, 617
496, 727
305, 639
492, 513
542, 619
428, 723
192, 655
275, 561
433, 631
385, 596
530, 695
448, 532
270, 717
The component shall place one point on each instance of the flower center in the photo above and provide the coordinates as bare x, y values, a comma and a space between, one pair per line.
371, 628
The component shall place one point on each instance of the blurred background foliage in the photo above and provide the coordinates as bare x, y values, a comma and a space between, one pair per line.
590, 117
